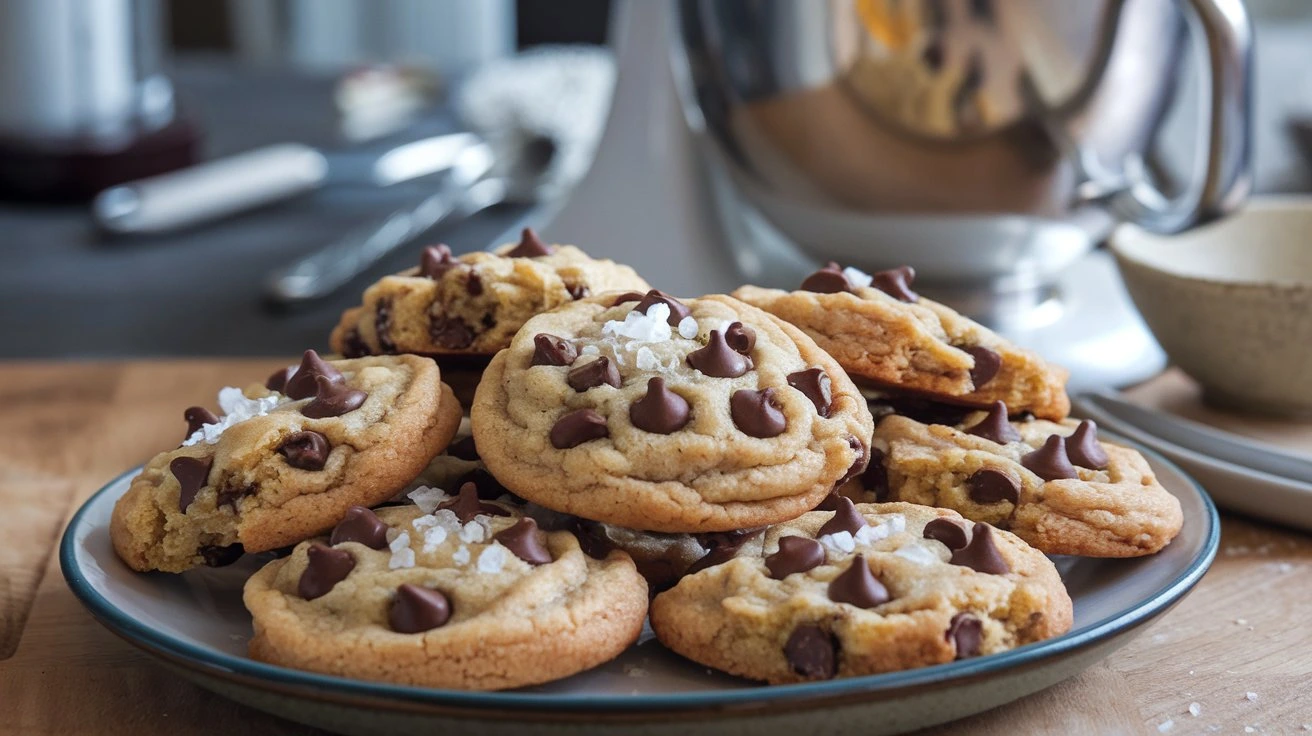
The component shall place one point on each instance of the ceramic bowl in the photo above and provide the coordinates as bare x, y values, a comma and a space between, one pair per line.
1231, 302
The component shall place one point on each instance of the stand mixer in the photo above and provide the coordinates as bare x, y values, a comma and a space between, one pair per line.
989, 145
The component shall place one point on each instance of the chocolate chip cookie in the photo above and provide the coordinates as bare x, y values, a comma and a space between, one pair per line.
861, 590
473, 304
451, 592
652, 413
882, 332
1055, 485
285, 460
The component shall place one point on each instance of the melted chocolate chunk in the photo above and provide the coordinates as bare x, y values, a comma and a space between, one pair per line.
360, 525
678, 310
197, 417
591, 539
981, 553
875, 477
578, 427
221, 556
660, 411
796, 554
995, 427
1050, 461
722, 546
327, 567
474, 287
450, 333
740, 337
306, 450
846, 519
383, 326
592, 374
489, 488
530, 246
757, 413
921, 410
858, 466
965, 631
577, 291
829, 503
435, 261
277, 381
353, 346
812, 653
525, 541
416, 609
718, 360
815, 385
1083, 447
333, 400
986, 367
858, 586
464, 449
991, 486
229, 496
896, 283
552, 350
950, 532
466, 505
192, 474
304, 382
828, 280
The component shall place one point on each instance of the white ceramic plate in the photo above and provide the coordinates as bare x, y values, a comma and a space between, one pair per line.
195, 623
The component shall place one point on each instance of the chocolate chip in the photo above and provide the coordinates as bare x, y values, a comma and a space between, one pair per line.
986, 367
306, 450
829, 503
327, 567
552, 350
981, 553
875, 478
591, 539
723, 546
629, 296
416, 609
192, 474
435, 261
815, 385
718, 360
896, 283
198, 416
277, 381
303, 383
489, 488
660, 411
921, 410
383, 326
846, 519
740, 337
1083, 447
474, 286
333, 400
353, 346
1050, 461
995, 427
991, 486
965, 631
858, 466
360, 525
221, 556
450, 333
466, 505
578, 427
828, 280
858, 586
530, 246
678, 310
464, 449
577, 291
950, 532
757, 413
229, 496
592, 374
812, 653
525, 541
796, 554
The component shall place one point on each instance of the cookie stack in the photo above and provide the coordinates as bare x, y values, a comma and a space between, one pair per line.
841, 480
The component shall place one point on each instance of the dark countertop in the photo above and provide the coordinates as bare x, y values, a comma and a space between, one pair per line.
67, 292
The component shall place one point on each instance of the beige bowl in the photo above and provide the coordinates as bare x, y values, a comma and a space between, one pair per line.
1231, 302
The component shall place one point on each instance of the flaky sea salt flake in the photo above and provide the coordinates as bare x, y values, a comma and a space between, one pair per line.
493, 558
688, 328
427, 498
857, 277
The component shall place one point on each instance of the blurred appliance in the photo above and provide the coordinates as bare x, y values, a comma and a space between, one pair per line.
989, 144
84, 103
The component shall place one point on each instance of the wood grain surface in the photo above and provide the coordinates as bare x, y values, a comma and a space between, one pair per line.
69, 428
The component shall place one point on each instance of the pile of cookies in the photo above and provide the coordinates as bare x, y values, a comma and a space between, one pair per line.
840, 480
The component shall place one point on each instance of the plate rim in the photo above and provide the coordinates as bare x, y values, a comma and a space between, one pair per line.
241, 669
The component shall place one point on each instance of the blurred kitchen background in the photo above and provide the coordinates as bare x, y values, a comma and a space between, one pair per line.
355, 79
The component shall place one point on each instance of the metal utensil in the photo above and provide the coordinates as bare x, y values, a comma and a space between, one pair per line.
265, 175
469, 187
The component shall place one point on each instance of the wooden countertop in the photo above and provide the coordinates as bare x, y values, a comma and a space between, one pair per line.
67, 428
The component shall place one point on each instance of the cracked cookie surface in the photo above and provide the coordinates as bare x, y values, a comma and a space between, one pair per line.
934, 588
274, 470
651, 413
441, 602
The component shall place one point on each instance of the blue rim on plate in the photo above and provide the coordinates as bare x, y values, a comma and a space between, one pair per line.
221, 664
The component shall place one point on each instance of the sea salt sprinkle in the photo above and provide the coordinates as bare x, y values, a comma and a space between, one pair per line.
917, 553
433, 538
493, 558
475, 530
236, 408
402, 555
1252, 697
838, 542
1195, 709
649, 327
1165, 725
427, 498
461, 556
688, 328
857, 277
